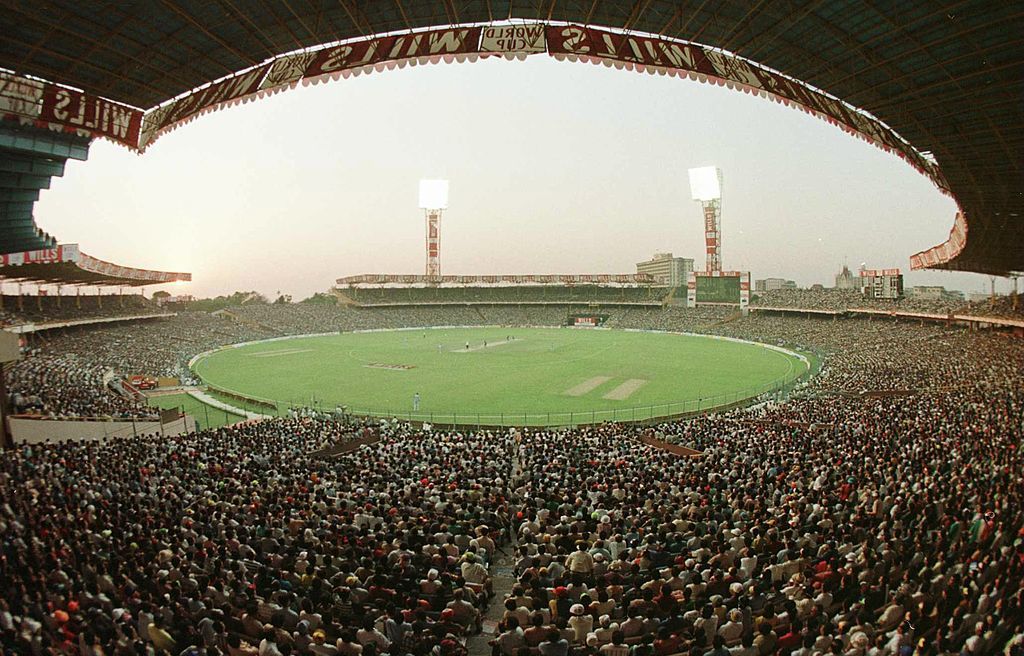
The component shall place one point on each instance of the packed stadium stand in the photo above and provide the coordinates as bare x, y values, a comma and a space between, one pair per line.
845, 300
162, 347
62, 373
19, 310
1010, 306
829, 522
586, 294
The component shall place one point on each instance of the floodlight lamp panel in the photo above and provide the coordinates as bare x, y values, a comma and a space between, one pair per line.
433, 194
705, 183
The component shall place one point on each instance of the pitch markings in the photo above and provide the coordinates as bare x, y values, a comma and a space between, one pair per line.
626, 389
587, 385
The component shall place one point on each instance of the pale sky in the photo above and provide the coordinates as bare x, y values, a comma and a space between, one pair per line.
554, 167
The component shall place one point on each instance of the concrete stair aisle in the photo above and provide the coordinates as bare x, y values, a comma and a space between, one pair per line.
502, 580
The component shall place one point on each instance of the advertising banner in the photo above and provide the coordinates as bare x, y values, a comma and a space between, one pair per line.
945, 251
20, 97
98, 116
290, 69
702, 63
450, 41
63, 253
49, 105
511, 39
93, 265
380, 278
225, 91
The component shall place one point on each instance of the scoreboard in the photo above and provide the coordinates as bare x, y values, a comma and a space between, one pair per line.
883, 283
587, 320
719, 287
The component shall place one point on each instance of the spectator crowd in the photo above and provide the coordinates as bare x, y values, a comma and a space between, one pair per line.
47, 309
844, 300
67, 373
824, 524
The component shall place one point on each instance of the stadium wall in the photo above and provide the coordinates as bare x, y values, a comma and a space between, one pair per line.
25, 430
40, 327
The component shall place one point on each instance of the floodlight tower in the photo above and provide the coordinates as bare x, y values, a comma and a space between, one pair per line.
706, 187
433, 201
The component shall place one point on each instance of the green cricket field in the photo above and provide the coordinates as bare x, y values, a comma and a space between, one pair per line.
492, 376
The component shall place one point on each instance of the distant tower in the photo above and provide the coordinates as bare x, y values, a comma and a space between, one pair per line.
706, 187
433, 201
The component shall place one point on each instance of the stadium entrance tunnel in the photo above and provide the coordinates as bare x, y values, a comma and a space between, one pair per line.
849, 67
501, 376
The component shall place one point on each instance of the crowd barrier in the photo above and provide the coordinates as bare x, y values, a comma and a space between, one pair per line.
216, 404
261, 406
29, 429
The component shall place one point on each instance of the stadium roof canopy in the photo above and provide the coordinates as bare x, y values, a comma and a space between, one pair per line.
67, 265
946, 75
69, 273
29, 158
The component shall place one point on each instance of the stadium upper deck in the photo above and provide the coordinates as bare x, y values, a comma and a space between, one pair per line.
942, 80
29, 158
516, 295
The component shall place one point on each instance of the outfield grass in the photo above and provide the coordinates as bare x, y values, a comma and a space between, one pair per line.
205, 415
540, 376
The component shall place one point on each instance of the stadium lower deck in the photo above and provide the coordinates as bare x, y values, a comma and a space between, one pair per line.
833, 522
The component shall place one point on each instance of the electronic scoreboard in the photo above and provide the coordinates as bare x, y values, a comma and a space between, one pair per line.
718, 287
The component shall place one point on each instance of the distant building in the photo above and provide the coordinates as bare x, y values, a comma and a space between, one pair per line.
181, 298
845, 279
667, 270
773, 284
934, 293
